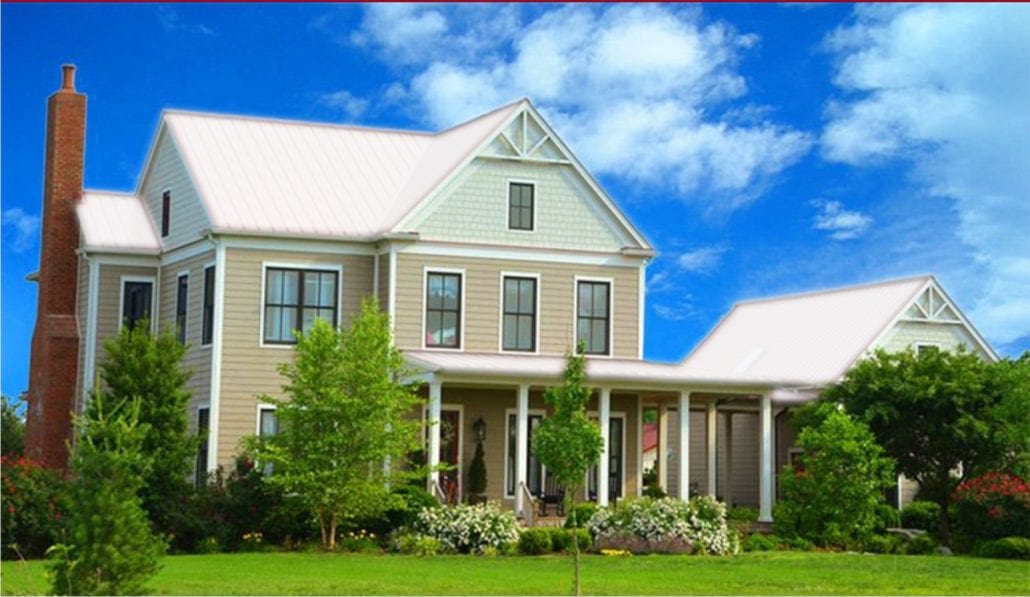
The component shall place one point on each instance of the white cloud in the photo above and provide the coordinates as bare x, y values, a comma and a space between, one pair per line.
350, 105
947, 87
21, 228
171, 22
841, 223
651, 94
676, 312
700, 261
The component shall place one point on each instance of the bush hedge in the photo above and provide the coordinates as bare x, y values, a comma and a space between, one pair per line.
535, 541
667, 524
1009, 548
34, 500
992, 506
921, 515
464, 528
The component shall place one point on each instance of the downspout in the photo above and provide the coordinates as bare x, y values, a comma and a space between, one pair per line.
392, 293
89, 359
214, 400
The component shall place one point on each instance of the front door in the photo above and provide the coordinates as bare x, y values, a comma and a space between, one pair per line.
615, 449
450, 454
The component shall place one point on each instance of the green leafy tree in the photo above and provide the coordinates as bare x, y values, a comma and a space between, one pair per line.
832, 497
109, 548
938, 412
347, 411
1010, 380
477, 472
12, 433
568, 443
139, 363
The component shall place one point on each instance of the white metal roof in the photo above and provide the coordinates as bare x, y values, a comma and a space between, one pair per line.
813, 336
631, 372
268, 176
115, 222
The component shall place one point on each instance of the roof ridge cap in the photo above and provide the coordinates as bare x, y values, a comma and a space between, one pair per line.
298, 122
834, 290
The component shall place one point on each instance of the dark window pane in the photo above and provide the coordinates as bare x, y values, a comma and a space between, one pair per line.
181, 300
294, 299
209, 306
520, 206
166, 213
443, 310
136, 300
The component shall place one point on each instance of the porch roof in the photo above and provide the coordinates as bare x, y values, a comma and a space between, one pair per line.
622, 373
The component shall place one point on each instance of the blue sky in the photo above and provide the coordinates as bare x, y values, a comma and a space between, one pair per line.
762, 148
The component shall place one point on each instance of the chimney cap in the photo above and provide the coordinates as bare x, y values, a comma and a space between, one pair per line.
68, 82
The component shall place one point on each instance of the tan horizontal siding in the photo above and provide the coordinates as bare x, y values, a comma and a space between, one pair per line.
197, 358
109, 307
167, 172
482, 286
249, 369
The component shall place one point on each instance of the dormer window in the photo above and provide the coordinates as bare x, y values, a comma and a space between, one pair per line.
166, 212
520, 206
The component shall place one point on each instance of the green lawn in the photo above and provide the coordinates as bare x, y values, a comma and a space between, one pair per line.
752, 573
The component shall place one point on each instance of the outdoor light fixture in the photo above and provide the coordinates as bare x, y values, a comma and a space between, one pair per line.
480, 428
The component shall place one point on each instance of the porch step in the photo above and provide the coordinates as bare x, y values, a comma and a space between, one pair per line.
549, 521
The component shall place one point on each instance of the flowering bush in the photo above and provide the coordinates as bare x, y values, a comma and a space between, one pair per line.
992, 506
467, 528
360, 541
665, 524
32, 507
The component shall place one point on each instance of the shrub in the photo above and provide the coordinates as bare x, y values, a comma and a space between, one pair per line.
992, 506
535, 541
833, 496
417, 545
477, 472
920, 545
699, 524
464, 528
580, 514
796, 544
412, 499
887, 517
923, 515
33, 501
1009, 548
883, 544
760, 542
742, 514
360, 541
561, 539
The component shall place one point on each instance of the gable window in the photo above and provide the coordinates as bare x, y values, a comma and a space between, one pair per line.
443, 310
137, 297
203, 426
520, 206
593, 316
518, 328
166, 212
182, 290
208, 324
294, 299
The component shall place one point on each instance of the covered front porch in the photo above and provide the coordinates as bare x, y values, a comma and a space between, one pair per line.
730, 445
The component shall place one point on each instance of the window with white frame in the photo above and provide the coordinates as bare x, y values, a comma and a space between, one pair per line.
593, 316
203, 427
443, 310
294, 299
182, 291
518, 325
208, 321
268, 425
137, 298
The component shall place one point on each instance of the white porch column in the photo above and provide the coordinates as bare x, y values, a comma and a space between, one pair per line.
684, 447
434, 433
765, 486
521, 444
604, 414
662, 458
710, 425
727, 491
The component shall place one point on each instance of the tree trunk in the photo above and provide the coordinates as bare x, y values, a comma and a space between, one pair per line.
332, 532
943, 524
570, 510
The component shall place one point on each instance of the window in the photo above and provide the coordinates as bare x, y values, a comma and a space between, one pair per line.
534, 468
166, 212
268, 425
616, 425
209, 305
592, 316
136, 300
203, 426
443, 310
294, 299
181, 297
927, 348
519, 314
520, 206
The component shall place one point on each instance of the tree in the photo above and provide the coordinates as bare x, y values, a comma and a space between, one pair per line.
935, 413
832, 496
109, 548
347, 412
477, 472
1010, 378
12, 434
141, 364
567, 443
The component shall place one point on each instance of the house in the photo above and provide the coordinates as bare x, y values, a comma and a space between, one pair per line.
493, 250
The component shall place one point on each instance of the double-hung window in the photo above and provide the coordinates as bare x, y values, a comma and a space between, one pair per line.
443, 310
295, 298
593, 316
182, 292
520, 206
518, 328
203, 427
166, 213
208, 322
137, 297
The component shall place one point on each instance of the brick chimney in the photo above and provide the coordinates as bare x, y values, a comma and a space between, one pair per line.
55, 341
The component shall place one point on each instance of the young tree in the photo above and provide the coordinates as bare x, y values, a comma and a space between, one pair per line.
568, 443
832, 497
347, 411
109, 548
935, 413
12, 436
141, 364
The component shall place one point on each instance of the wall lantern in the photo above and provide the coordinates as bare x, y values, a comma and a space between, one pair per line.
480, 428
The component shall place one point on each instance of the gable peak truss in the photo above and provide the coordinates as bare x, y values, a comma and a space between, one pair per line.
525, 138
931, 306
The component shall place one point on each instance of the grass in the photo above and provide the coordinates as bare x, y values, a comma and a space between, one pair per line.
792, 573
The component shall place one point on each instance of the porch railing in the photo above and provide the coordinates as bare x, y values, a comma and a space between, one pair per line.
528, 505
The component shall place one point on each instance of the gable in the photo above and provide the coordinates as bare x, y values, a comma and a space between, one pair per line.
166, 171
570, 210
